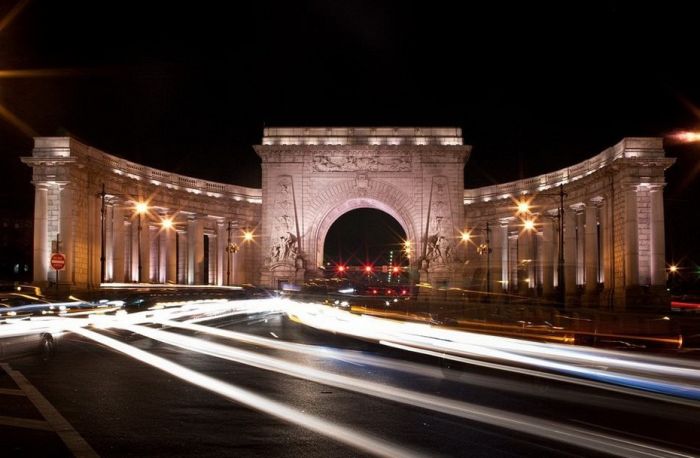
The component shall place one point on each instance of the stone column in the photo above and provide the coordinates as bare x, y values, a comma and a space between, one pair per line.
580, 246
221, 241
570, 253
163, 254
548, 260
134, 249
118, 239
41, 235
109, 242
658, 247
195, 252
591, 246
631, 238
609, 249
170, 255
145, 250
93, 241
182, 258
67, 276
604, 223
505, 273
524, 261
210, 279
495, 257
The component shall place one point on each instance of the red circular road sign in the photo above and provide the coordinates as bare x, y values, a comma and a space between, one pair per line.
58, 261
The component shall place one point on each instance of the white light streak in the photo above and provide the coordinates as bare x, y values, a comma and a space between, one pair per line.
349, 436
522, 423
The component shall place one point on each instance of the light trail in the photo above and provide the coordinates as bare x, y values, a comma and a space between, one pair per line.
415, 368
547, 429
346, 435
510, 350
433, 341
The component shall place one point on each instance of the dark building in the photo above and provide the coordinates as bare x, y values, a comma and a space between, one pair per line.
16, 237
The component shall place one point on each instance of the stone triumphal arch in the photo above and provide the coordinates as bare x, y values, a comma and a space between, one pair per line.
595, 230
313, 176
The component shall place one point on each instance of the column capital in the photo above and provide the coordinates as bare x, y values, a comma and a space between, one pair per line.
656, 187
597, 201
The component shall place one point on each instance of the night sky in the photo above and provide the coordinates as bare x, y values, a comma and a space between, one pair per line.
188, 88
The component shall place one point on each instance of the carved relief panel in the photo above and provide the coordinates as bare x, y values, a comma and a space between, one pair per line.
284, 242
439, 244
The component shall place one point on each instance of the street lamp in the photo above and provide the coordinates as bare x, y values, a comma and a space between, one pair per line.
524, 208
102, 195
482, 248
141, 208
231, 249
529, 226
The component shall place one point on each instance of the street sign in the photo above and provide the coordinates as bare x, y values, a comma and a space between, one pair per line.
58, 261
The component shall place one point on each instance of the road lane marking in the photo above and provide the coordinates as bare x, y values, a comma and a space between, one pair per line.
25, 423
73, 440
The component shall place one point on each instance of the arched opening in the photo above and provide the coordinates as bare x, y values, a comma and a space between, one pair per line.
367, 247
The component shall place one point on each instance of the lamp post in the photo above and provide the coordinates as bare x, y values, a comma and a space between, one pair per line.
141, 208
102, 195
560, 268
483, 248
524, 208
231, 249
529, 226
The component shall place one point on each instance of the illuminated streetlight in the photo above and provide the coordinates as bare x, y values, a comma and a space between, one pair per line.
673, 269
523, 207
167, 223
466, 236
688, 137
248, 236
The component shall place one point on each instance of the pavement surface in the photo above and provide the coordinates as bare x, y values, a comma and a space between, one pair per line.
113, 405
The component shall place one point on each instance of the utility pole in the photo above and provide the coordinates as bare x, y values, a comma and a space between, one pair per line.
102, 235
228, 256
231, 249
488, 261
560, 269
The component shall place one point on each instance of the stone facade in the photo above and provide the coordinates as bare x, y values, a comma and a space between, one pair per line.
613, 240
69, 178
597, 234
413, 174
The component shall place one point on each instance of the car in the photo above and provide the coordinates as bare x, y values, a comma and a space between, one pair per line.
22, 330
18, 340
19, 305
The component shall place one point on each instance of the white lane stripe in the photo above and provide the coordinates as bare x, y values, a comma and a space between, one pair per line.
73, 440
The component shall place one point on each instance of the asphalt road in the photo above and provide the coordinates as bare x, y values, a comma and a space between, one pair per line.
123, 407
